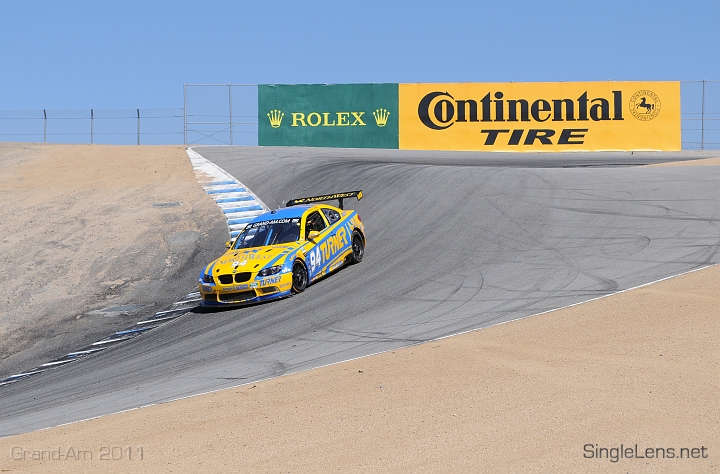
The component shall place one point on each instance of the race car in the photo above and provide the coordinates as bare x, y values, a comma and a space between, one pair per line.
281, 252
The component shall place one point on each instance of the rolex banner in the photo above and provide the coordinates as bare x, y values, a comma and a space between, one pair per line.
556, 116
336, 115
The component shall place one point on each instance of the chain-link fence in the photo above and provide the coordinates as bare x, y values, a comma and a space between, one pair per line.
220, 114
119, 127
700, 115
226, 114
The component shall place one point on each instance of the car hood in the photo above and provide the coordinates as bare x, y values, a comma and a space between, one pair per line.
252, 259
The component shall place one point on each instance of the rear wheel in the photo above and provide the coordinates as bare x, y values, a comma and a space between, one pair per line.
358, 248
299, 277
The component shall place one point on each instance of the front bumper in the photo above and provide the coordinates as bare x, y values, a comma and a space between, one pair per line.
256, 291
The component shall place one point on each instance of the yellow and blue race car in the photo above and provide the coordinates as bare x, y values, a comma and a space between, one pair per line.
281, 252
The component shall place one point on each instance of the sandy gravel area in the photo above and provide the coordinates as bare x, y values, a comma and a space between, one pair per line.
701, 162
536, 395
91, 227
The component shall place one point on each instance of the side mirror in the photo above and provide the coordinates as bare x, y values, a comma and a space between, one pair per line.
228, 244
314, 234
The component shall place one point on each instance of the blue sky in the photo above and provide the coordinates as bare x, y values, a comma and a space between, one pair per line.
138, 54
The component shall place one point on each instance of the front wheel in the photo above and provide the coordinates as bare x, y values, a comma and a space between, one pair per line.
299, 277
358, 248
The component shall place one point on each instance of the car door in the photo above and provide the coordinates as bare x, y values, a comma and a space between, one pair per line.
337, 230
315, 258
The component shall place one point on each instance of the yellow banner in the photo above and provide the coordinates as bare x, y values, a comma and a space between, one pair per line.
552, 116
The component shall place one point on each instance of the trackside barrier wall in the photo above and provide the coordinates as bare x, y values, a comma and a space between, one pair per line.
559, 116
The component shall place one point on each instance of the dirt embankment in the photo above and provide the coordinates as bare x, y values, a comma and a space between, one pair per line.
91, 227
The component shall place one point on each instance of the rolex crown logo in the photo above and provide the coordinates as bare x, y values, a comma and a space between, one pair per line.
275, 117
381, 117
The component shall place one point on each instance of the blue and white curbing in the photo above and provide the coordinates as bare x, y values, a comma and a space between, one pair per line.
179, 308
236, 201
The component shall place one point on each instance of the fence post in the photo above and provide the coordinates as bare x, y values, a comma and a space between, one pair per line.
702, 118
185, 114
92, 127
138, 112
231, 122
45, 126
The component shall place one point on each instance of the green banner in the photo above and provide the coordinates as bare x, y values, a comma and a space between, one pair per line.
335, 115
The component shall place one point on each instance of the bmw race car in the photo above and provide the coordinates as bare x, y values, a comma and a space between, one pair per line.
281, 252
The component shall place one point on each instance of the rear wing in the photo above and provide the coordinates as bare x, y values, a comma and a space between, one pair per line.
327, 197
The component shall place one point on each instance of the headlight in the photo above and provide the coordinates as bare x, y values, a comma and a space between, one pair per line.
269, 271
207, 278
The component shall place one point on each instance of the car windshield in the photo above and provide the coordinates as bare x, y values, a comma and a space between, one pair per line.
273, 232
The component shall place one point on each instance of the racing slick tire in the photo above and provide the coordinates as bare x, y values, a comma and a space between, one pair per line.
358, 248
299, 277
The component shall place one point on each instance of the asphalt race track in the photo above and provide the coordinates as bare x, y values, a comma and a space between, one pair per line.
456, 241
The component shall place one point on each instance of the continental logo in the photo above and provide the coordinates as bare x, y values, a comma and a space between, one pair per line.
440, 111
328, 119
645, 105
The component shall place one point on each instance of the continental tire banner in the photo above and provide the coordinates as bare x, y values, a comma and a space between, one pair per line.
337, 115
558, 116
